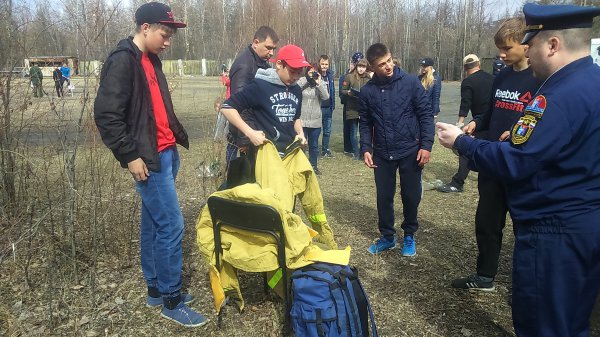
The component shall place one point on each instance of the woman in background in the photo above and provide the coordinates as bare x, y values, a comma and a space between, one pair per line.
432, 84
350, 89
433, 88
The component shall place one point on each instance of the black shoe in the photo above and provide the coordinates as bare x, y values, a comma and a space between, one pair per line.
316, 170
447, 188
327, 154
474, 282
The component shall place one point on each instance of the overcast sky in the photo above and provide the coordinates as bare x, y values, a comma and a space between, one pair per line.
506, 5
496, 7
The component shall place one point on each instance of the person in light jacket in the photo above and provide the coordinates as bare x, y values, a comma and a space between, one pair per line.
314, 91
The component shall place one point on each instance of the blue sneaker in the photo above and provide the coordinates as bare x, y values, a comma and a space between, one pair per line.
184, 315
409, 246
382, 244
154, 302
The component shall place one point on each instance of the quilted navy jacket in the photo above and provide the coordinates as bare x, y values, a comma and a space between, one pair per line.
396, 118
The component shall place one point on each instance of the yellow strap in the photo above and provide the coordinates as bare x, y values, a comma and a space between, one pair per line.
275, 279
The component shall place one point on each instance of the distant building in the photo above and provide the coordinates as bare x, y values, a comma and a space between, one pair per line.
595, 50
48, 63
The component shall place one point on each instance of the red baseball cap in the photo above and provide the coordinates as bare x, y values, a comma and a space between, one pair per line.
292, 55
156, 12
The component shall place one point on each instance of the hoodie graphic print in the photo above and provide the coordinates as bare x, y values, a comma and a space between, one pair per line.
275, 106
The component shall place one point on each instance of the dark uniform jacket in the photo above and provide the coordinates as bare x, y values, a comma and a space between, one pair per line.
552, 163
123, 107
396, 119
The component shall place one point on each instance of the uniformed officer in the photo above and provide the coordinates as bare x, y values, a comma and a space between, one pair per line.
551, 165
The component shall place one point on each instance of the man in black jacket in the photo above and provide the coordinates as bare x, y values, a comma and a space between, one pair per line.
58, 84
134, 114
475, 92
255, 56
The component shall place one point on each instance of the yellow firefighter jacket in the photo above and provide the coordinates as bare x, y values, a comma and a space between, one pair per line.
278, 182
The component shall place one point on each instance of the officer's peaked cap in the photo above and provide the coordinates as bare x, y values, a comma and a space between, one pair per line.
556, 17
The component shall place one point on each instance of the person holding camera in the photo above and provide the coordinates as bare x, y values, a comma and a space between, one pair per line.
350, 89
314, 92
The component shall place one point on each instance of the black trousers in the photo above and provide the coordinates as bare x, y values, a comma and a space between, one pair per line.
58, 85
458, 180
410, 193
347, 142
490, 220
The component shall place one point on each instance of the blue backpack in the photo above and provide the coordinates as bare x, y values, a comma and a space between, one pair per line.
329, 301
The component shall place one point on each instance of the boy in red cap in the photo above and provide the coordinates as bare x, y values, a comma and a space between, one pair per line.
134, 114
275, 100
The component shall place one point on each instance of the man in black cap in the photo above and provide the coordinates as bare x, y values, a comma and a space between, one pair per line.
551, 165
475, 92
134, 114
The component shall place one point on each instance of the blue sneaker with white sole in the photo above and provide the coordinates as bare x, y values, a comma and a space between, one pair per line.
409, 246
184, 315
382, 244
154, 302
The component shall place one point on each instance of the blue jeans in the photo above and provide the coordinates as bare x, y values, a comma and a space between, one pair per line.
326, 114
161, 229
312, 137
352, 135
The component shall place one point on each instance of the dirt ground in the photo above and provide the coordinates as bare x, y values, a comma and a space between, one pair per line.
410, 296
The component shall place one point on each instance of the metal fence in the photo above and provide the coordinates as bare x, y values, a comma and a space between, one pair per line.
448, 69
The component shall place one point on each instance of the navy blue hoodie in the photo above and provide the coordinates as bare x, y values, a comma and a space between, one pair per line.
275, 106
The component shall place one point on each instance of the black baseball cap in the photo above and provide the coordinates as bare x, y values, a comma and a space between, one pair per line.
427, 62
156, 12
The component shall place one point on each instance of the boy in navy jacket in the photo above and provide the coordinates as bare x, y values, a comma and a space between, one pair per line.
396, 134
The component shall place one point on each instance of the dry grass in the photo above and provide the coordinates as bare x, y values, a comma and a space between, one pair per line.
410, 296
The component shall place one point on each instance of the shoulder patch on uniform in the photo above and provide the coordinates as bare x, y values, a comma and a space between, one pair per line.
532, 114
523, 129
537, 106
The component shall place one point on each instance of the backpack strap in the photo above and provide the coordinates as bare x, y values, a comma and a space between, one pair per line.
320, 332
319, 267
352, 305
363, 305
